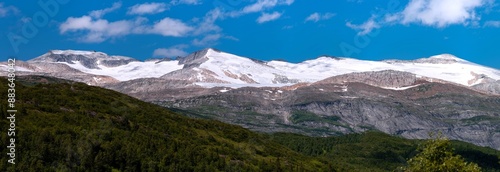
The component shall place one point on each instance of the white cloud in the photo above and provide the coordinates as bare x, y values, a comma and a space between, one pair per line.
98, 30
171, 27
100, 13
174, 51
492, 24
315, 17
7, 10
259, 6
366, 27
287, 27
92, 29
266, 17
441, 13
208, 40
148, 8
434, 13
189, 2
231, 38
208, 23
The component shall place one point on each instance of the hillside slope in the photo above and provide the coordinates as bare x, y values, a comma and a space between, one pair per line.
66, 126
70, 126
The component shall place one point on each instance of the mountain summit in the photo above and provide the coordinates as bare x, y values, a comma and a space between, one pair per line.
324, 96
210, 67
88, 59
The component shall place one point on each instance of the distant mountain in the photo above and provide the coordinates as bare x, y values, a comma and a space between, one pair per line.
324, 96
210, 67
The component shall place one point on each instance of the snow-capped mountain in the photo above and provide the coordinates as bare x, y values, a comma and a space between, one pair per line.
210, 68
446, 67
400, 97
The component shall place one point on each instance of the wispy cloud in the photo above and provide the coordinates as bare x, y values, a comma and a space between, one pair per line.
265, 4
147, 8
7, 10
259, 6
266, 17
366, 27
101, 13
189, 2
287, 27
207, 24
208, 40
174, 51
492, 24
315, 17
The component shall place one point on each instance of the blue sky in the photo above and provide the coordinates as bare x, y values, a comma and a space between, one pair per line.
293, 30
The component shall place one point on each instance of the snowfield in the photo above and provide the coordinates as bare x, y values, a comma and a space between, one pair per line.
132, 70
227, 70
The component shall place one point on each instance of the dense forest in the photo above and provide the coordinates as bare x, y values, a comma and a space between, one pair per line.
69, 126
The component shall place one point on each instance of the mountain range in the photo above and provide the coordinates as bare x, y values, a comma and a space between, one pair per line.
63, 125
320, 97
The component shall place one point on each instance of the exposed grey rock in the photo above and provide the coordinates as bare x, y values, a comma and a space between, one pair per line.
196, 58
492, 87
456, 111
87, 59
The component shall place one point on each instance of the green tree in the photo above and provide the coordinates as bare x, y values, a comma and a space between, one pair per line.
437, 155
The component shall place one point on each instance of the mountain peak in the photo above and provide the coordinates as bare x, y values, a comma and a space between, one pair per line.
89, 59
198, 57
75, 52
446, 57
441, 59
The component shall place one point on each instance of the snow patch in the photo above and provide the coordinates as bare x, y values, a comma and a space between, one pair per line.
235, 86
349, 97
400, 88
224, 90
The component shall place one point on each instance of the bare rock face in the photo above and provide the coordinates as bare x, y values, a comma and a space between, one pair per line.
356, 103
386, 78
196, 58
492, 87
88, 59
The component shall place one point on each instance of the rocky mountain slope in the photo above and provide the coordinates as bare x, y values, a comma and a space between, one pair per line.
210, 67
68, 126
324, 96
409, 106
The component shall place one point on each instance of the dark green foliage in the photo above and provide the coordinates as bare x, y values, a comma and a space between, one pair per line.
74, 127
371, 151
437, 155
376, 151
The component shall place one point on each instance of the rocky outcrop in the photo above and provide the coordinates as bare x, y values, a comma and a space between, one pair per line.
492, 87
196, 58
88, 59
